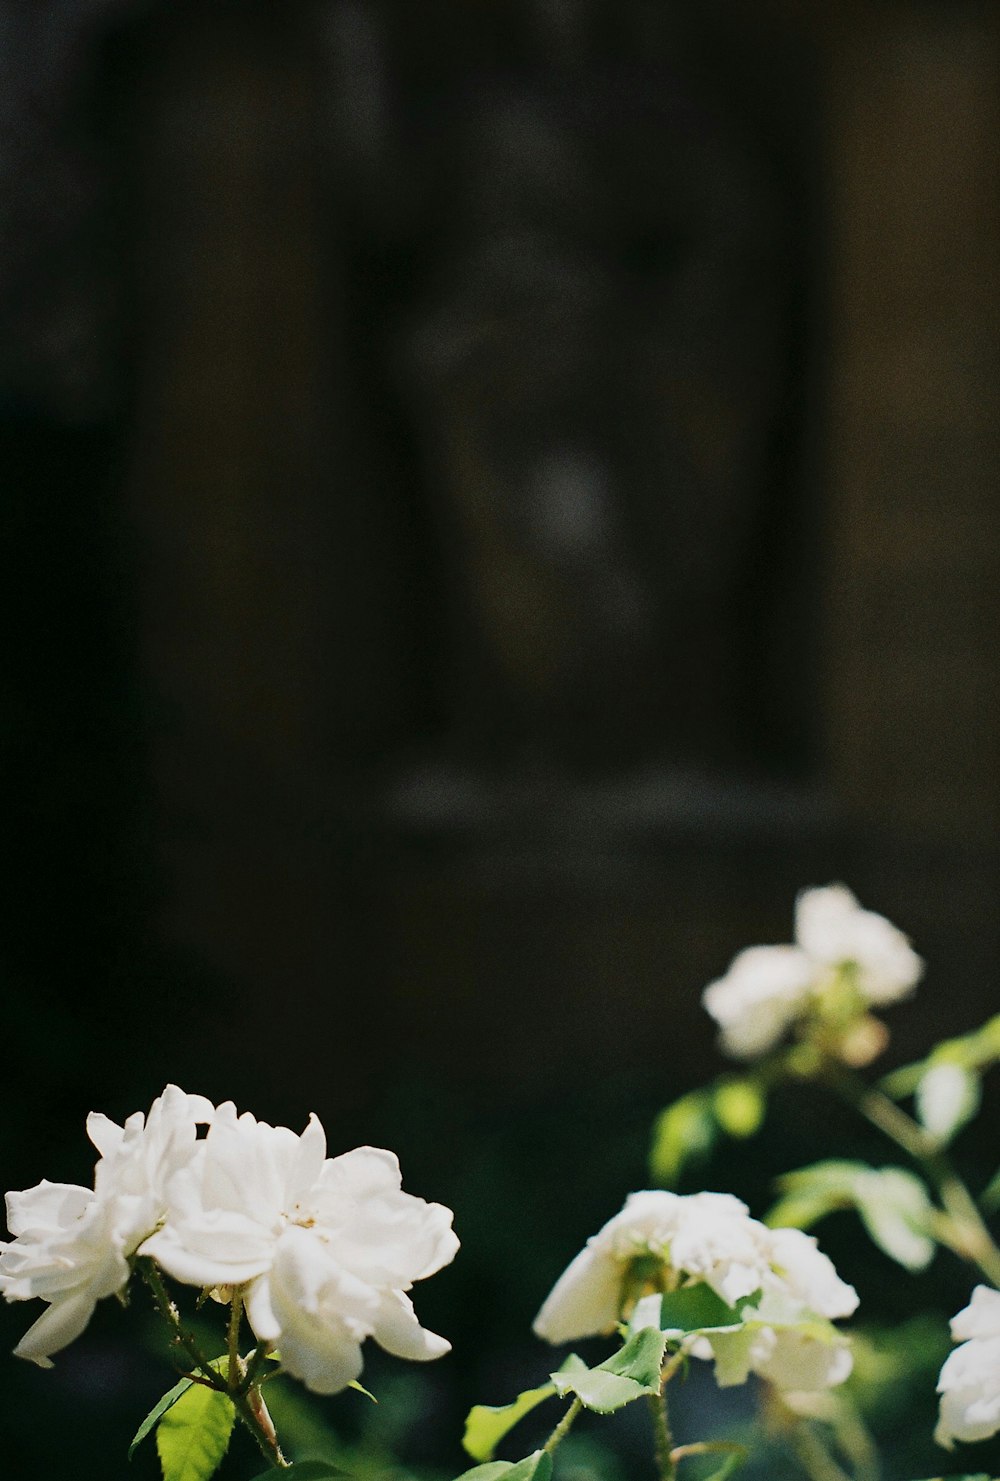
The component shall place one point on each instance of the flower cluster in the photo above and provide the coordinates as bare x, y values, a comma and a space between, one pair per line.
664, 1241
969, 1384
323, 1249
844, 961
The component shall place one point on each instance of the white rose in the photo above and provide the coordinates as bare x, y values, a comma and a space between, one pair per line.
65, 1251
710, 1238
764, 991
71, 1244
832, 928
768, 988
327, 1247
969, 1383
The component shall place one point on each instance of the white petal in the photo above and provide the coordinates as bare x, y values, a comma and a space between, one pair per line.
56, 1328
585, 1300
105, 1134
981, 1318
399, 1332
46, 1207
260, 1312
803, 1363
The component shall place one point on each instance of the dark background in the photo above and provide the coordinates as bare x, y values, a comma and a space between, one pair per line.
496, 497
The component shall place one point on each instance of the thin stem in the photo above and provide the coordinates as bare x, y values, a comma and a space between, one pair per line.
969, 1235
151, 1275
564, 1426
663, 1440
255, 1366
248, 1403
254, 1413
816, 1459
707, 1447
235, 1318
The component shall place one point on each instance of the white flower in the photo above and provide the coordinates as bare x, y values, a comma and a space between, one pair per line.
834, 931
71, 1245
326, 1247
710, 1239
765, 990
768, 988
969, 1384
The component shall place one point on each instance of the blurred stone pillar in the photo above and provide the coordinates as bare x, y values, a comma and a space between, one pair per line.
912, 722
233, 500
915, 432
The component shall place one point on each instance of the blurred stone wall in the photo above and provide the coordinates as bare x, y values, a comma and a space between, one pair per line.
560, 444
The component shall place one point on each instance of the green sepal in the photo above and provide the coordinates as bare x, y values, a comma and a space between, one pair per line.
303, 1470
192, 1436
487, 1424
359, 1388
632, 1373
534, 1467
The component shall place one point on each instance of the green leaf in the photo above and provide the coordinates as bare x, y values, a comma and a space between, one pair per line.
893, 1205
631, 1373
979, 1476
897, 1213
739, 1105
193, 1434
684, 1132
302, 1470
534, 1467
486, 1425
157, 1412
694, 1309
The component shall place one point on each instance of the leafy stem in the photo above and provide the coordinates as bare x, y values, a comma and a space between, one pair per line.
965, 1231
240, 1383
150, 1273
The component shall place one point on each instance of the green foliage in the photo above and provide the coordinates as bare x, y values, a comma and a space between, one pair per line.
730, 1465
893, 1205
693, 1309
193, 1434
976, 1051
990, 1196
303, 1470
686, 1131
739, 1104
157, 1412
534, 1467
632, 1373
486, 1425
947, 1085
895, 1369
